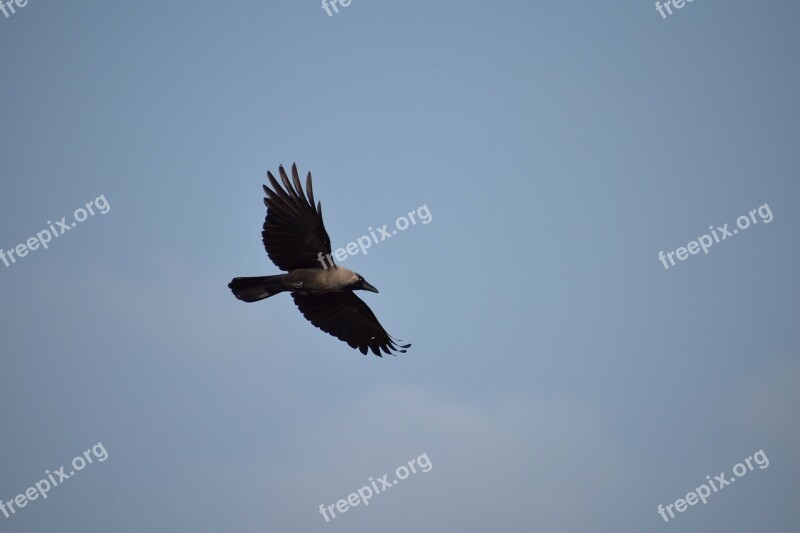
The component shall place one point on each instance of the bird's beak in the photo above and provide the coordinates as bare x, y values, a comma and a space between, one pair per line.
367, 287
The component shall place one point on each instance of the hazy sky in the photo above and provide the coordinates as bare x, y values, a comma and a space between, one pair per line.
561, 379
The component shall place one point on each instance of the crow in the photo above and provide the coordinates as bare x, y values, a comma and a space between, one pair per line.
297, 242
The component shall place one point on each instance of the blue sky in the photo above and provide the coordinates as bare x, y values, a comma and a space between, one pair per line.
560, 378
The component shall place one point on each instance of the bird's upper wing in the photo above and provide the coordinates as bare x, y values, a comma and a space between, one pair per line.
345, 316
293, 233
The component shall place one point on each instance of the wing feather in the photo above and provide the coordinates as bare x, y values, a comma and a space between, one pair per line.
293, 233
348, 318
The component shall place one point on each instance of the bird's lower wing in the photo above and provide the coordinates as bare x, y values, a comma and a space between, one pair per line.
345, 316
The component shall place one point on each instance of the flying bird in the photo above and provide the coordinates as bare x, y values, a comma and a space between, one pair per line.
297, 242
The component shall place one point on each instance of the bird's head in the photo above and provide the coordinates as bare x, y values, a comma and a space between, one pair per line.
358, 283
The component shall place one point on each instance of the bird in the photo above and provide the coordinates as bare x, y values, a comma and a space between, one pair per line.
295, 239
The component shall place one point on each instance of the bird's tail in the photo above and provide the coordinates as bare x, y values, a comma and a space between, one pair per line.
258, 288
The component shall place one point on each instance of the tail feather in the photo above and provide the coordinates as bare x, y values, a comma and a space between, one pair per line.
257, 288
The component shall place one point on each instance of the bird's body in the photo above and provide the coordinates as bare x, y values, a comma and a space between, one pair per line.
320, 280
295, 239
303, 281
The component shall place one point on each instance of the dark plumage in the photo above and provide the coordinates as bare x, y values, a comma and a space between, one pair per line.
295, 239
